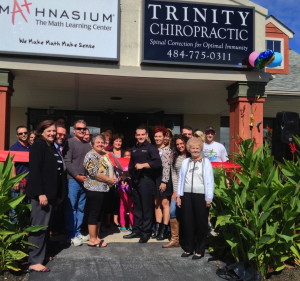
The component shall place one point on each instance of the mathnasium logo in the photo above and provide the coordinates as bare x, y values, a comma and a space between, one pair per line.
18, 8
22, 9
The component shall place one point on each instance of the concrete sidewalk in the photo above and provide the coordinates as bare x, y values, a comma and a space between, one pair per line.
127, 260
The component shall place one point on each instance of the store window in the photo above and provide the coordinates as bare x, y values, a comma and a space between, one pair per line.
274, 45
224, 133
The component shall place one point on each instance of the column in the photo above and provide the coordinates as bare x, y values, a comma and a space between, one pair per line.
246, 101
6, 90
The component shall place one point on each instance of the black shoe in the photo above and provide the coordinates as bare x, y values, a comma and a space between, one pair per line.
132, 235
195, 257
156, 231
163, 233
144, 239
185, 254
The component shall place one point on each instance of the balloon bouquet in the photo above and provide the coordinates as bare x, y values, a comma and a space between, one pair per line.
259, 60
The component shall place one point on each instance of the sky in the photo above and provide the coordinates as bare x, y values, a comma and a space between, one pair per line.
288, 12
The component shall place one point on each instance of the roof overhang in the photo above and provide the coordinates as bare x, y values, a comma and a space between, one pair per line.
280, 25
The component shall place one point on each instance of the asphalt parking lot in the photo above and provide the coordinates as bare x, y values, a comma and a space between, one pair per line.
127, 260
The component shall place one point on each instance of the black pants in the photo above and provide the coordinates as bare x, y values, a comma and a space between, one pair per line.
194, 222
143, 204
57, 222
112, 202
94, 206
40, 215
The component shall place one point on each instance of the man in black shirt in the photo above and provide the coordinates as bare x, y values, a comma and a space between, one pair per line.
144, 165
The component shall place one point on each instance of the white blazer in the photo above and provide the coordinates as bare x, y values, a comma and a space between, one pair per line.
208, 177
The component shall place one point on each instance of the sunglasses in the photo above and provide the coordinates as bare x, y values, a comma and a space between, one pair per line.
210, 133
22, 133
80, 129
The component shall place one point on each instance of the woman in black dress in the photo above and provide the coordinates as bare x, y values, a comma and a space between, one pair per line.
164, 188
46, 186
112, 197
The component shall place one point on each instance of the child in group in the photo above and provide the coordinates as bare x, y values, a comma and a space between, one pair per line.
126, 201
127, 153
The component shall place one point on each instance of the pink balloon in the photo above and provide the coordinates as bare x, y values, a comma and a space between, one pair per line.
253, 56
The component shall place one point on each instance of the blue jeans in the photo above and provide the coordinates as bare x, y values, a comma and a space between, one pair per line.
173, 210
12, 213
74, 208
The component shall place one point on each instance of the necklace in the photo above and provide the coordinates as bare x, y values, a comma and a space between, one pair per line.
197, 159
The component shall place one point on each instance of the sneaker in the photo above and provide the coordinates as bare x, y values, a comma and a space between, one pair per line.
213, 233
76, 241
83, 238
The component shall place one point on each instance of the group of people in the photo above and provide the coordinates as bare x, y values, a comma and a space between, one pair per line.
171, 179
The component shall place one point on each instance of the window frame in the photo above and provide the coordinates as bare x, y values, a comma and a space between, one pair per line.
281, 40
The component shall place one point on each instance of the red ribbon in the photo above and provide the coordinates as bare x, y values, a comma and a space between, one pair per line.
19, 156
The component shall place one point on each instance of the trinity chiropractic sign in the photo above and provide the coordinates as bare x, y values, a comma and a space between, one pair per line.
197, 34
60, 28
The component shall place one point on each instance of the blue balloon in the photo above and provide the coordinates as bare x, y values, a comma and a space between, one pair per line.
277, 60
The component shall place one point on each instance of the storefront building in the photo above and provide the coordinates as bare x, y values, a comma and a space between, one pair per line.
120, 63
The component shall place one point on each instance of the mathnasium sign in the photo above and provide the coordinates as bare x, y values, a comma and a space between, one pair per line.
197, 33
60, 28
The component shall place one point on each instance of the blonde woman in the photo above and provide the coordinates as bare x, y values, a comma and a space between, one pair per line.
100, 177
199, 134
